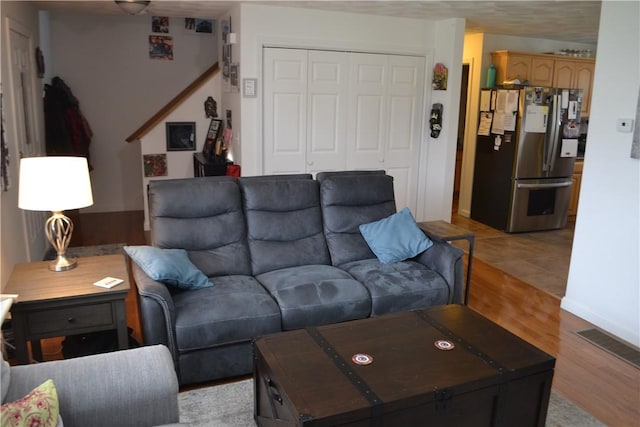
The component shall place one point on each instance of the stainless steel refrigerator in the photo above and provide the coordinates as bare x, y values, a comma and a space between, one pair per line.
525, 151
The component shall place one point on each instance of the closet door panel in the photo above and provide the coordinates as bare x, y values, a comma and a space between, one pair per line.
285, 111
405, 87
367, 111
327, 114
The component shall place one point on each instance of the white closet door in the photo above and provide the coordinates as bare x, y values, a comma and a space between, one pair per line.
402, 148
367, 111
385, 112
326, 110
285, 110
328, 89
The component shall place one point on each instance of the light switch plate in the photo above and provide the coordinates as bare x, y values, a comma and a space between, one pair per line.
624, 125
250, 88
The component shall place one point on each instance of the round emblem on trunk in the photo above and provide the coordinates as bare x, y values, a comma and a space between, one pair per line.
362, 359
444, 345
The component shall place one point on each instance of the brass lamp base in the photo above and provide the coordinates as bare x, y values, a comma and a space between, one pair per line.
62, 263
58, 229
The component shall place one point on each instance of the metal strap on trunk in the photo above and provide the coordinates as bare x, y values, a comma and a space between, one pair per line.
374, 401
458, 339
503, 388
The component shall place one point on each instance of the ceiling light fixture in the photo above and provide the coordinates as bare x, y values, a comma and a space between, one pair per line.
133, 7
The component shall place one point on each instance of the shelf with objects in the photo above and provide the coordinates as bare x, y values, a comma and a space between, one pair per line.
214, 158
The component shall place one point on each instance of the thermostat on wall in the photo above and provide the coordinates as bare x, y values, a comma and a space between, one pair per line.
250, 87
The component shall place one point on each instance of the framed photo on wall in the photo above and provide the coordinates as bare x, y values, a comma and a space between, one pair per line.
155, 165
181, 136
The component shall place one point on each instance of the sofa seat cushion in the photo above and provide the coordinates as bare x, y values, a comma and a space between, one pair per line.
236, 309
401, 286
315, 295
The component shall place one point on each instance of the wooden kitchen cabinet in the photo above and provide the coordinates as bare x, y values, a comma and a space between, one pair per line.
511, 65
575, 74
547, 70
541, 73
584, 81
576, 182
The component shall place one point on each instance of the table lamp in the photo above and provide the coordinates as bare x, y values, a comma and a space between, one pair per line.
55, 184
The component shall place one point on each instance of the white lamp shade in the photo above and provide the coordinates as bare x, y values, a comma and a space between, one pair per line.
54, 183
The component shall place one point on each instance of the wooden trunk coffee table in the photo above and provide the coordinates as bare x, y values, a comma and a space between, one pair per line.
444, 366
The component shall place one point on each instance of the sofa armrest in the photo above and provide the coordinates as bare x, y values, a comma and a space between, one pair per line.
446, 260
135, 387
157, 311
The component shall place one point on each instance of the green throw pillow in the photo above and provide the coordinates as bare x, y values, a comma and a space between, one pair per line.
396, 237
38, 408
169, 266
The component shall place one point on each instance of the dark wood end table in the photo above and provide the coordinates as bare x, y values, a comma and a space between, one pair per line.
53, 304
442, 230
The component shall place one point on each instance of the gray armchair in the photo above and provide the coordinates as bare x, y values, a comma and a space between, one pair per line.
135, 387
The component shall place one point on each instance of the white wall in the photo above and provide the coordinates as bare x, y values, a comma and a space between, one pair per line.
604, 276
105, 62
477, 52
290, 27
438, 168
13, 242
232, 100
179, 163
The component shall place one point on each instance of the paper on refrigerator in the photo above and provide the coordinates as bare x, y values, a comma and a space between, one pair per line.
484, 128
485, 100
536, 117
506, 111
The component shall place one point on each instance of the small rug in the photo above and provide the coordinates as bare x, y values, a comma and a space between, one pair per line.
85, 251
231, 405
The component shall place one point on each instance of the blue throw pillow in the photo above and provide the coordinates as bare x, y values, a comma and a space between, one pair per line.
169, 266
396, 237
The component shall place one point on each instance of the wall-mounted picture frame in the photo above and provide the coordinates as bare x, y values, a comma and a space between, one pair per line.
181, 136
199, 26
159, 24
155, 165
161, 47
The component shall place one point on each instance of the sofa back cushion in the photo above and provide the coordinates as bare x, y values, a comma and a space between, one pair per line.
284, 222
347, 201
203, 216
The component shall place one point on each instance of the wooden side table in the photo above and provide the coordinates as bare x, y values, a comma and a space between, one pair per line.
442, 230
53, 304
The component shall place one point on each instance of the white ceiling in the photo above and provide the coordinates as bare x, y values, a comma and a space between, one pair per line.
571, 21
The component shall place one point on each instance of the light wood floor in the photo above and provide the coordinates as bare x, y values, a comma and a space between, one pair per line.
600, 383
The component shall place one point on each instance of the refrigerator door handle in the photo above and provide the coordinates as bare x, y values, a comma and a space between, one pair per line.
557, 124
548, 137
544, 186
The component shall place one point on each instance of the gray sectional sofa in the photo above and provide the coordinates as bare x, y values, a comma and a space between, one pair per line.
283, 252
128, 388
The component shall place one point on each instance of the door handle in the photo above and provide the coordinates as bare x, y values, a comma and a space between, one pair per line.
543, 186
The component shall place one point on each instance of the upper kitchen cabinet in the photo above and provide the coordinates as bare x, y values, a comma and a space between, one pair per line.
541, 69
541, 73
510, 66
576, 74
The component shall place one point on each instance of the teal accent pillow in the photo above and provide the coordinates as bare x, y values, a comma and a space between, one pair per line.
169, 266
396, 237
